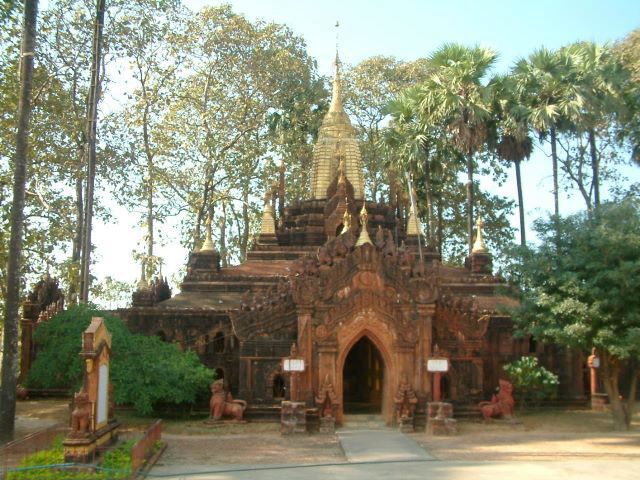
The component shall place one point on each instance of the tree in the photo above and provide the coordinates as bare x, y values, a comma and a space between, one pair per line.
599, 81
236, 75
14, 281
456, 97
514, 144
143, 37
146, 372
368, 88
545, 87
628, 54
91, 129
579, 289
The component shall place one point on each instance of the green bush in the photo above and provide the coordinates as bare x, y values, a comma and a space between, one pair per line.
116, 464
145, 371
532, 382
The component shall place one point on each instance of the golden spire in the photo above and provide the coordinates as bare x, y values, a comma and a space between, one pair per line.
142, 284
336, 139
336, 96
346, 219
413, 226
478, 245
364, 234
208, 245
268, 223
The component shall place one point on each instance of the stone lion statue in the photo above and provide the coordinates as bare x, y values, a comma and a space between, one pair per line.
501, 405
222, 405
81, 414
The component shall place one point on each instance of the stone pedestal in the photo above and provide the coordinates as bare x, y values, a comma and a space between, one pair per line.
405, 425
328, 425
293, 418
440, 419
599, 402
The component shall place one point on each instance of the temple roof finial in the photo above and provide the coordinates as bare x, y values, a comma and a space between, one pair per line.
346, 218
268, 226
208, 245
364, 233
479, 245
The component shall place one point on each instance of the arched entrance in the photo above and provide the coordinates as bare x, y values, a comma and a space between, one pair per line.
363, 378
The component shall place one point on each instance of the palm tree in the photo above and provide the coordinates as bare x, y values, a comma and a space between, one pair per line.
409, 138
14, 280
456, 98
599, 82
544, 85
515, 144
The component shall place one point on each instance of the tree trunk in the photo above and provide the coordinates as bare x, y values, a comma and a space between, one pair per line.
440, 224
244, 241
470, 201
14, 279
610, 371
595, 167
429, 192
523, 240
92, 120
223, 235
554, 161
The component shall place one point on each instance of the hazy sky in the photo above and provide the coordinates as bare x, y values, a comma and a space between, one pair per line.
407, 30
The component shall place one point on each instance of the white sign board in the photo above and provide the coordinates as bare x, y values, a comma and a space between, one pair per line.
293, 365
437, 365
103, 394
595, 363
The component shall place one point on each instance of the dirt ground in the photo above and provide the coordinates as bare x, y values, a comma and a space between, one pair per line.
538, 435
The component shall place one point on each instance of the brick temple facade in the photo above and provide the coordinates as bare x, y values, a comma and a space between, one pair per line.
350, 282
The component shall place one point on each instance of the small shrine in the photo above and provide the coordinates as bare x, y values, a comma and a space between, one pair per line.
93, 423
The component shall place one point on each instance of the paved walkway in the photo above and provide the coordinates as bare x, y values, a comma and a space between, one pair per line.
379, 445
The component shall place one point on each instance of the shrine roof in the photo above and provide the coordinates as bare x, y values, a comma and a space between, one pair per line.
259, 268
495, 303
203, 301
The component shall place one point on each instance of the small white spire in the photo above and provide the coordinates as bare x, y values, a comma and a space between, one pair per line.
479, 245
208, 245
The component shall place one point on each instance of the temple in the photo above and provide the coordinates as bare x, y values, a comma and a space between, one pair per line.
350, 282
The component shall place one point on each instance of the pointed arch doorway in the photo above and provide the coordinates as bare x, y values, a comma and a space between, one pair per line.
363, 378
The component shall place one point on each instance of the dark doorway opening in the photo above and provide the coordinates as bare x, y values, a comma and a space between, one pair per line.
363, 378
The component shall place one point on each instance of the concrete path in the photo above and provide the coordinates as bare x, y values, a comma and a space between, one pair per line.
412, 470
379, 445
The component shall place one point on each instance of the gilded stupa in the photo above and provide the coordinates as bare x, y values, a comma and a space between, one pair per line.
336, 140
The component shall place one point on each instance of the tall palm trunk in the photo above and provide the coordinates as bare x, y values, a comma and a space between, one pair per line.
14, 279
92, 120
595, 167
523, 240
470, 201
554, 160
429, 194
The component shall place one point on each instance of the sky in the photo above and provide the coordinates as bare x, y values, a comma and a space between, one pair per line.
407, 30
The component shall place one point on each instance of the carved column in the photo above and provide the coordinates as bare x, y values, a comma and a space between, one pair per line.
425, 340
327, 358
305, 350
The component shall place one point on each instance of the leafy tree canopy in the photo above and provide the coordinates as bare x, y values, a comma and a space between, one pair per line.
580, 289
145, 371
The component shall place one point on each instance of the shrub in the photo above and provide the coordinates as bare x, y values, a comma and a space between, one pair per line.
116, 464
144, 370
532, 382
